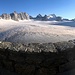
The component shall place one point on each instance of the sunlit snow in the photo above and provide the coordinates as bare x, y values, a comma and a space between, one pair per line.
36, 31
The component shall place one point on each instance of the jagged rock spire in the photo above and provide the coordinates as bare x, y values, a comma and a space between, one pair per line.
15, 16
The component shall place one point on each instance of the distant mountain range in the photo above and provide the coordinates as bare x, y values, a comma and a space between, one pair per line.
24, 16
50, 17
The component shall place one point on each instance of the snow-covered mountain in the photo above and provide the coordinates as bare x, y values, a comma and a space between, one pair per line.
51, 17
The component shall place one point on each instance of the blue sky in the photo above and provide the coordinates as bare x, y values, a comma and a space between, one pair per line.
64, 8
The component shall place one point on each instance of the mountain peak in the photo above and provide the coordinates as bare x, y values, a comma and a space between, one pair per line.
15, 16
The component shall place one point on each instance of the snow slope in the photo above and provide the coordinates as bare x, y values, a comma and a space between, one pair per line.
35, 31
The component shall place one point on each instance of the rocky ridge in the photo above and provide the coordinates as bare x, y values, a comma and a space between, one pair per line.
38, 47
51, 17
15, 16
24, 16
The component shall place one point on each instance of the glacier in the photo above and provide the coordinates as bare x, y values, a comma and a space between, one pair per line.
30, 31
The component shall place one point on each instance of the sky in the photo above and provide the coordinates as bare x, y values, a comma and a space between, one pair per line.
64, 8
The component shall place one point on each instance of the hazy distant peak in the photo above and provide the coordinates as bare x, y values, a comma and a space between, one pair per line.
52, 16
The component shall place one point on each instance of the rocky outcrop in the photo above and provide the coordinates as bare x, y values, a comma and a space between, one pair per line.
59, 18
15, 16
60, 46
6, 16
45, 18
0, 17
39, 17
32, 47
23, 16
31, 17
38, 47
19, 16
20, 59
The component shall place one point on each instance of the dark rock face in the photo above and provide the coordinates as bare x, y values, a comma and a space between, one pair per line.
39, 17
0, 17
6, 16
6, 72
23, 16
60, 46
45, 18
14, 16
58, 18
31, 17
37, 58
